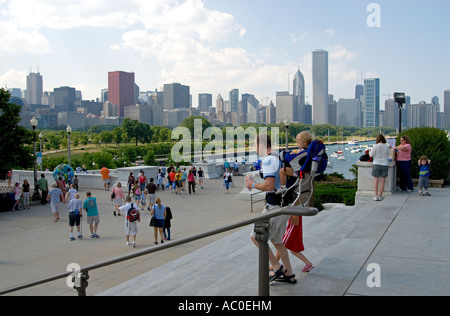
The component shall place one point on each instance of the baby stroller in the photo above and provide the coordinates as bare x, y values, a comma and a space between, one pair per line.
307, 165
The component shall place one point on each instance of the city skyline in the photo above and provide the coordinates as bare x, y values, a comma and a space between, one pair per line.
215, 46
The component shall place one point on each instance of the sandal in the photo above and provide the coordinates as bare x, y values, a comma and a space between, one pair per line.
287, 279
308, 268
276, 274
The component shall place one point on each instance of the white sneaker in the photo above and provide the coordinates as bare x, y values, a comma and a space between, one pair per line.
128, 243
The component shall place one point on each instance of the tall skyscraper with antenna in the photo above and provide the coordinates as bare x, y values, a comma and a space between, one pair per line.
35, 88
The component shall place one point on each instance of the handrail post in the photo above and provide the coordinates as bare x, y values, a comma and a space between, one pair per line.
83, 283
262, 237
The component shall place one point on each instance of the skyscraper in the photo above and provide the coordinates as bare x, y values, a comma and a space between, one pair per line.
299, 93
121, 90
371, 107
204, 102
446, 108
176, 96
320, 87
34, 88
234, 100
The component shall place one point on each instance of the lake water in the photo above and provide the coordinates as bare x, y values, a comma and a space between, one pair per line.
343, 166
339, 166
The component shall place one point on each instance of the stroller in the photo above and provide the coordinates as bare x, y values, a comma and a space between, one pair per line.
307, 165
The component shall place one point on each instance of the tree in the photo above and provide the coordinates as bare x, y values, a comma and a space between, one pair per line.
16, 141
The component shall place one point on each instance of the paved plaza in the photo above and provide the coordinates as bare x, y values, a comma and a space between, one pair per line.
406, 236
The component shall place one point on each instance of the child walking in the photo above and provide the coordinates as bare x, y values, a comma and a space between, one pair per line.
293, 240
424, 176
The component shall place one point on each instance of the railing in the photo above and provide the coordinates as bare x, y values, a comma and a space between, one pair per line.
262, 236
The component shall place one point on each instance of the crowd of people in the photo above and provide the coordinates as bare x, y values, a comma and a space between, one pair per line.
285, 231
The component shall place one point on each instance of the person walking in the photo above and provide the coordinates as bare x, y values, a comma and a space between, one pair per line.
271, 166
133, 216
158, 213
130, 183
93, 217
151, 191
201, 177
106, 178
16, 197
167, 223
191, 183
380, 171
75, 215
118, 197
42, 184
404, 164
56, 196
227, 180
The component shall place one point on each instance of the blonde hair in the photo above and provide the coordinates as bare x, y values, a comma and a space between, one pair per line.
158, 201
305, 137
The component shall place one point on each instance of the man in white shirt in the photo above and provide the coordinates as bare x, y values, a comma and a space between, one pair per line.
130, 227
271, 172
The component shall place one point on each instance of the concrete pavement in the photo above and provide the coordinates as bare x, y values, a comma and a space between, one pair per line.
406, 237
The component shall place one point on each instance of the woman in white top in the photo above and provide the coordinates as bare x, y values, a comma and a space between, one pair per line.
380, 154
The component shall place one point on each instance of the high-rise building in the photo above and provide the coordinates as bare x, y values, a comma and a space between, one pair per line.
391, 114
371, 108
121, 90
204, 102
64, 99
285, 107
348, 112
176, 96
320, 87
253, 113
299, 93
34, 88
359, 92
234, 100
220, 109
446, 108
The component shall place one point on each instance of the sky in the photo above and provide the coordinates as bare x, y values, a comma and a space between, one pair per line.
214, 46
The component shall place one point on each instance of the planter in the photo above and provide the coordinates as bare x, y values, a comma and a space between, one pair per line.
433, 183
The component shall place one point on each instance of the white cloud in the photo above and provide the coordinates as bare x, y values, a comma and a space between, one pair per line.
13, 79
16, 40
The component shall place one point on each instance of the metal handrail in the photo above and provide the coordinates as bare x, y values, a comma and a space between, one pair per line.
262, 237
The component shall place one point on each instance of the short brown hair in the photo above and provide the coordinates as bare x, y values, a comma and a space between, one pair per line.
264, 139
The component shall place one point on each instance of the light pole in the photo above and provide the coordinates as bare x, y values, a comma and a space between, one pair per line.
34, 123
286, 124
400, 98
40, 147
69, 130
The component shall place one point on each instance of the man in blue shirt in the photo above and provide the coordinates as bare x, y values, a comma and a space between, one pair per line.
90, 205
271, 166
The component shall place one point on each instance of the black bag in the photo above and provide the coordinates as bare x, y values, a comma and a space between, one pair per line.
153, 222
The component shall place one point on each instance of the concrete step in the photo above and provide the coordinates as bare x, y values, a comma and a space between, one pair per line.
230, 265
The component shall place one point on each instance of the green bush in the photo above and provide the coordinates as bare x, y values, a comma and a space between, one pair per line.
434, 144
335, 193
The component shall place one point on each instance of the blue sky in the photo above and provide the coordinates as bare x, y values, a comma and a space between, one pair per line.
216, 45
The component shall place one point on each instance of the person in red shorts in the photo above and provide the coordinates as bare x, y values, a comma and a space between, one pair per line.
293, 240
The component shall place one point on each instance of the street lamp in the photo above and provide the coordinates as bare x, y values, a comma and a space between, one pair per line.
69, 130
400, 98
34, 123
286, 124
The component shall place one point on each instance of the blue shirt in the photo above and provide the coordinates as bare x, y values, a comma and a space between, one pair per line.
424, 170
91, 206
159, 212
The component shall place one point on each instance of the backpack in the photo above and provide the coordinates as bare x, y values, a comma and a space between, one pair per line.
132, 214
314, 158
